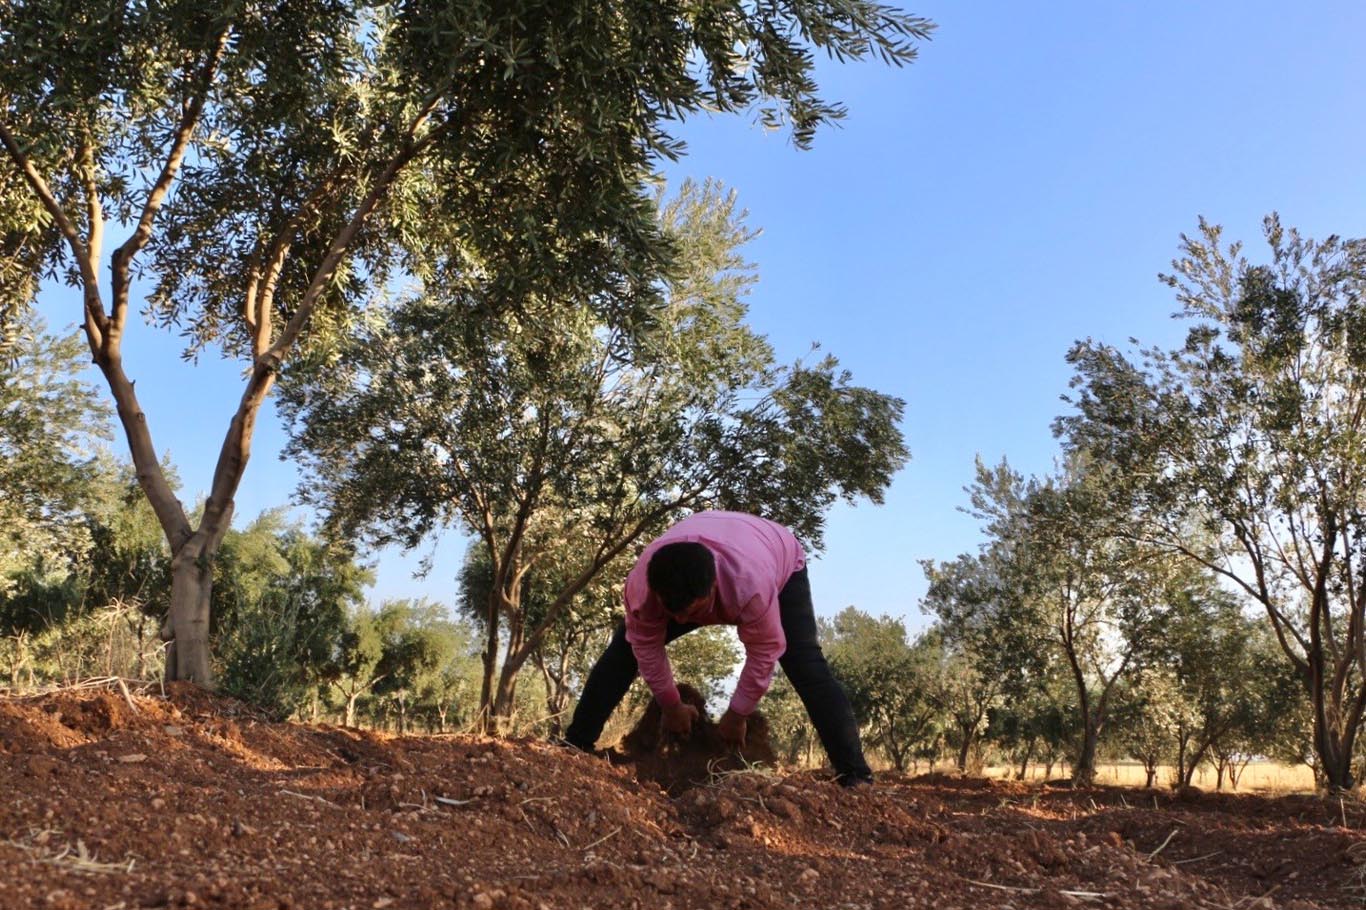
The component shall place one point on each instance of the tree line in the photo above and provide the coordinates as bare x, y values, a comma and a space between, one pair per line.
1090, 623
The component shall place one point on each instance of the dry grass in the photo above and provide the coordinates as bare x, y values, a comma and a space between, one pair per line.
40, 846
1258, 777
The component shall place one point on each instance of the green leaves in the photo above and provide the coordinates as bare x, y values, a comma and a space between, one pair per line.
556, 110
892, 683
438, 418
1062, 588
51, 429
283, 600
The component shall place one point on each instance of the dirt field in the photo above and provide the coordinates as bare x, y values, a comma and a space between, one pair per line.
194, 802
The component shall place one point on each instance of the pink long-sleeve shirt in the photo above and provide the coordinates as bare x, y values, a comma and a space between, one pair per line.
754, 559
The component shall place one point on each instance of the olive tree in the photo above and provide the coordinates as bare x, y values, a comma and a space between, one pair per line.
559, 439
51, 431
1061, 577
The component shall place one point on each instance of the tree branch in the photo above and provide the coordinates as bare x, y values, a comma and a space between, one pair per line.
189, 118
272, 358
260, 295
99, 333
607, 551
235, 451
94, 212
97, 322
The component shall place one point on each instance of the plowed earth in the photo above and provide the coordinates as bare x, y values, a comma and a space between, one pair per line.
194, 801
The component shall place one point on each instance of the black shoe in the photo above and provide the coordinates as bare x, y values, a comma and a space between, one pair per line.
854, 781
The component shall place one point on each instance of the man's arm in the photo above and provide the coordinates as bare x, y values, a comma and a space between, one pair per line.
647, 636
761, 632
647, 642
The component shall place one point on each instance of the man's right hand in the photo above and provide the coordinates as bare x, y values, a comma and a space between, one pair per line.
679, 718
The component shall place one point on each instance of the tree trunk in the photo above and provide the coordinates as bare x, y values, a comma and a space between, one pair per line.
1150, 767
1336, 758
1189, 759
1193, 759
1333, 742
513, 661
192, 550
1084, 772
490, 662
556, 695
504, 702
187, 624
1236, 769
559, 704
350, 719
967, 730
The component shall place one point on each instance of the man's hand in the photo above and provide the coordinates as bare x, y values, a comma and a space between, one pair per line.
732, 729
679, 718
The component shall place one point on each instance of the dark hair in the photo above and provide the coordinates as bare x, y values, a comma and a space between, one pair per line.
679, 573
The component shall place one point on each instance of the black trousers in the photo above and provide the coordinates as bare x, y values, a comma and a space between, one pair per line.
804, 663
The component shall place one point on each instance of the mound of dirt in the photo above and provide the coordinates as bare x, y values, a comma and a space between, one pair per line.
191, 801
678, 763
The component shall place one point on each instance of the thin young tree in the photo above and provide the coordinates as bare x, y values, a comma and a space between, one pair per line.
1067, 575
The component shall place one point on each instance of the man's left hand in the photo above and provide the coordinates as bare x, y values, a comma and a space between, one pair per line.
732, 728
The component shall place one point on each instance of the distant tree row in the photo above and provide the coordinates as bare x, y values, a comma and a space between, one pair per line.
1212, 692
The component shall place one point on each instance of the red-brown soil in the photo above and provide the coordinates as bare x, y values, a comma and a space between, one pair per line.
193, 801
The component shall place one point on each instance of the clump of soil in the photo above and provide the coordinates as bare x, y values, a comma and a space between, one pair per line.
678, 763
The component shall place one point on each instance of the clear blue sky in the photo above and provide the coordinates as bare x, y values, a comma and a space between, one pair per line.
1017, 188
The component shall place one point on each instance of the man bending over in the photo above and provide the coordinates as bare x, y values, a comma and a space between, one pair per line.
727, 568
